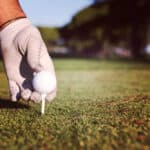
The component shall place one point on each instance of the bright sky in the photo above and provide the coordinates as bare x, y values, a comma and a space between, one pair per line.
52, 12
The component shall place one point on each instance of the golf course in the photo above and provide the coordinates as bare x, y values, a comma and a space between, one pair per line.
100, 105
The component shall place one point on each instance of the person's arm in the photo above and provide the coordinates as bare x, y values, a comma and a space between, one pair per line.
9, 10
24, 52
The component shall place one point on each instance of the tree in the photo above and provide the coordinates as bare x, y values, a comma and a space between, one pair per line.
114, 19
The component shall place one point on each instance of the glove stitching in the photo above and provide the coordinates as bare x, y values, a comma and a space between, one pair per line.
39, 54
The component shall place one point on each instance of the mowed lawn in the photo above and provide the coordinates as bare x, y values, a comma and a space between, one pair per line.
100, 105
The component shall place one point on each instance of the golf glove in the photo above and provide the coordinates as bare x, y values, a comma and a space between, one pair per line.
24, 53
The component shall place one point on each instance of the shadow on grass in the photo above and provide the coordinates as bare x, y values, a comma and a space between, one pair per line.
6, 103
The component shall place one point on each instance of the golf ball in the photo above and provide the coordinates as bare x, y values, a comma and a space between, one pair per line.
44, 82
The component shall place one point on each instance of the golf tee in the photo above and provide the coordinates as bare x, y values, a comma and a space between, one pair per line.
43, 104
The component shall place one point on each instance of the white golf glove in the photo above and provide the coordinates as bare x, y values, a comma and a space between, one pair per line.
24, 53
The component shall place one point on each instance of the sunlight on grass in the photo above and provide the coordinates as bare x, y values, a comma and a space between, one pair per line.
100, 105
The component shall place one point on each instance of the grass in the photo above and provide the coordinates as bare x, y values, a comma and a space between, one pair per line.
100, 105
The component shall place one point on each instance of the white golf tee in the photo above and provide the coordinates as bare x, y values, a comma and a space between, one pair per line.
43, 103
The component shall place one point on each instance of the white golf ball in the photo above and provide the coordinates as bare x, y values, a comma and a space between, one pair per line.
44, 82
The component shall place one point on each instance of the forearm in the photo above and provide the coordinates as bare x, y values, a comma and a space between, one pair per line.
9, 10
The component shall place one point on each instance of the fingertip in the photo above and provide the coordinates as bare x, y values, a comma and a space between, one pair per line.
25, 94
35, 97
14, 91
14, 99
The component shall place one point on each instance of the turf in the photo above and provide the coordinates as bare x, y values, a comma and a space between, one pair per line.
100, 105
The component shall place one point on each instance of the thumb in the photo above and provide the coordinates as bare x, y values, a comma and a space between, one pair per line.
51, 96
14, 90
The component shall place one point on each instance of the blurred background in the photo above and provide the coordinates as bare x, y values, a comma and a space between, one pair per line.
93, 28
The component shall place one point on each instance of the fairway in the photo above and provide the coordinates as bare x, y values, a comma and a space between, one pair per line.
100, 105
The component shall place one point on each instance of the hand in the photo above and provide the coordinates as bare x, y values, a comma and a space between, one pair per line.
24, 53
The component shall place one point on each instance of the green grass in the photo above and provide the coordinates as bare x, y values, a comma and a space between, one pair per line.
100, 105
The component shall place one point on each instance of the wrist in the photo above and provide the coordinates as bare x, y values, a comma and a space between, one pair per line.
15, 27
9, 11
9, 21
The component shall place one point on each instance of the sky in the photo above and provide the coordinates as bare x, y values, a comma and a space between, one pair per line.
52, 12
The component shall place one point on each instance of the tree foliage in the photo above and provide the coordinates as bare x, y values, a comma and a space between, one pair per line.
49, 34
113, 20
